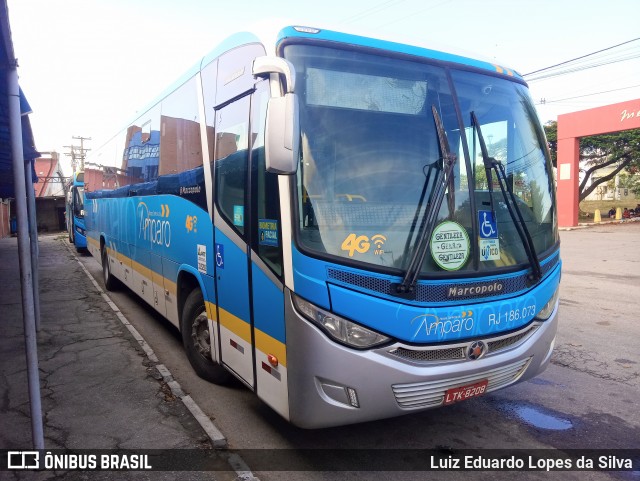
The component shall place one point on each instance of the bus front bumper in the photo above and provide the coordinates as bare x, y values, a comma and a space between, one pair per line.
331, 385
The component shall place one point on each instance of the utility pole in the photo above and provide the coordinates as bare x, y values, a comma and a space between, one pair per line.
82, 150
77, 154
72, 154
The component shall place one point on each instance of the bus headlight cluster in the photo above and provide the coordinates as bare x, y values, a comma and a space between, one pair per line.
338, 328
547, 310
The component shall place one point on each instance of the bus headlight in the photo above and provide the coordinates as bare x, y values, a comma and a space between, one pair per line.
547, 310
338, 328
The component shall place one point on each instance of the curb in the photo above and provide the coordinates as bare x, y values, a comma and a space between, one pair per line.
218, 440
585, 225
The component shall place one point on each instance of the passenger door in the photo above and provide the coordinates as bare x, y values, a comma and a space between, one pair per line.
247, 243
231, 234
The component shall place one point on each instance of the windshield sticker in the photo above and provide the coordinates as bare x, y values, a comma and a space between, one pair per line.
362, 244
487, 225
379, 241
489, 249
268, 232
356, 243
238, 215
450, 245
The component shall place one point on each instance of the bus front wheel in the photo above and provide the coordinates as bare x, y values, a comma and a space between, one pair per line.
197, 342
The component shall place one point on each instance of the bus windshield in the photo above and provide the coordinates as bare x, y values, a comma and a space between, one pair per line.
371, 160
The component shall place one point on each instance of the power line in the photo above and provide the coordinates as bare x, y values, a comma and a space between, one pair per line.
415, 13
369, 11
581, 57
544, 102
579, 68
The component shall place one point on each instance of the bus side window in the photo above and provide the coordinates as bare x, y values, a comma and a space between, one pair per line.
180, 144
231, 158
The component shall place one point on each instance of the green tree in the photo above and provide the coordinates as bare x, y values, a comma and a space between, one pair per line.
619, 149
631, 182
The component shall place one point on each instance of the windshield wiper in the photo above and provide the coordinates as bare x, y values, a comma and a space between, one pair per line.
407, 287
510, 201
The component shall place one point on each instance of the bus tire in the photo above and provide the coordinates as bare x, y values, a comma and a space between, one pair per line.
196, 340
110, 282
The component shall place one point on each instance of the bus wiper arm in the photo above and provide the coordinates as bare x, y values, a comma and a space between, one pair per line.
510, 201
408, 285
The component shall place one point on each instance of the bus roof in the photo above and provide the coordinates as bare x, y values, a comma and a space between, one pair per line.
408, 49
271, 38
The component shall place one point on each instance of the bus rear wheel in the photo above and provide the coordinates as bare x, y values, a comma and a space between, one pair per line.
196, 340
110, 282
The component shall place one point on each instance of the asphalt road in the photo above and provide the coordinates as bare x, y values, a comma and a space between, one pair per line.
588, 398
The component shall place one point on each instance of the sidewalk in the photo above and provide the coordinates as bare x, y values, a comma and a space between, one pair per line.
604, 221
98, 388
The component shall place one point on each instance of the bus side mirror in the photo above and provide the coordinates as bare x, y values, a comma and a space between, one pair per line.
282, 130
282, 135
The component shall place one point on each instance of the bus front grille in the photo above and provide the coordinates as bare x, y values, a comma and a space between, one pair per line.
431, 393
458, 352
437, 291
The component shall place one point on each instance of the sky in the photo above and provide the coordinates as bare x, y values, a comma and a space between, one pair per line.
87, 66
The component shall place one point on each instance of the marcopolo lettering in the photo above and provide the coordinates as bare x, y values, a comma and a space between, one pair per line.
190, 190
475, 290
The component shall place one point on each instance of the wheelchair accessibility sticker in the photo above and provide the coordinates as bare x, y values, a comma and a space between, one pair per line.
488, 227
489, 244
220, 255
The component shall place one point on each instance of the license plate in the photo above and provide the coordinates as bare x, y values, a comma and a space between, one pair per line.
461, 393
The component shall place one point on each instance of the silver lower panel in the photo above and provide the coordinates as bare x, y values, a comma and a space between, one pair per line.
431, 394
323, 375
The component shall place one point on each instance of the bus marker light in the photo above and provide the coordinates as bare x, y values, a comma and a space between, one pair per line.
306, 29
273, 360
353, 397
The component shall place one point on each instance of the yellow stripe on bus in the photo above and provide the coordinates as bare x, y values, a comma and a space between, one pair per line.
270, 345
264, 342
235, 324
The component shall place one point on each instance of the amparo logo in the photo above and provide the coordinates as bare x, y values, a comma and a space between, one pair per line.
152, 227
432, 325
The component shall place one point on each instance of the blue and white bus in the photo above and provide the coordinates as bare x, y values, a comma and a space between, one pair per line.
74, 211
354, 228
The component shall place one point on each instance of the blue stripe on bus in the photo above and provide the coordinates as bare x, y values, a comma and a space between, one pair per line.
400, 319
447, 323
309, 278
268, 305
233, 283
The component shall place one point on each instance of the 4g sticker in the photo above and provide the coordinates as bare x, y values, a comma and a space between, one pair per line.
362, 244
